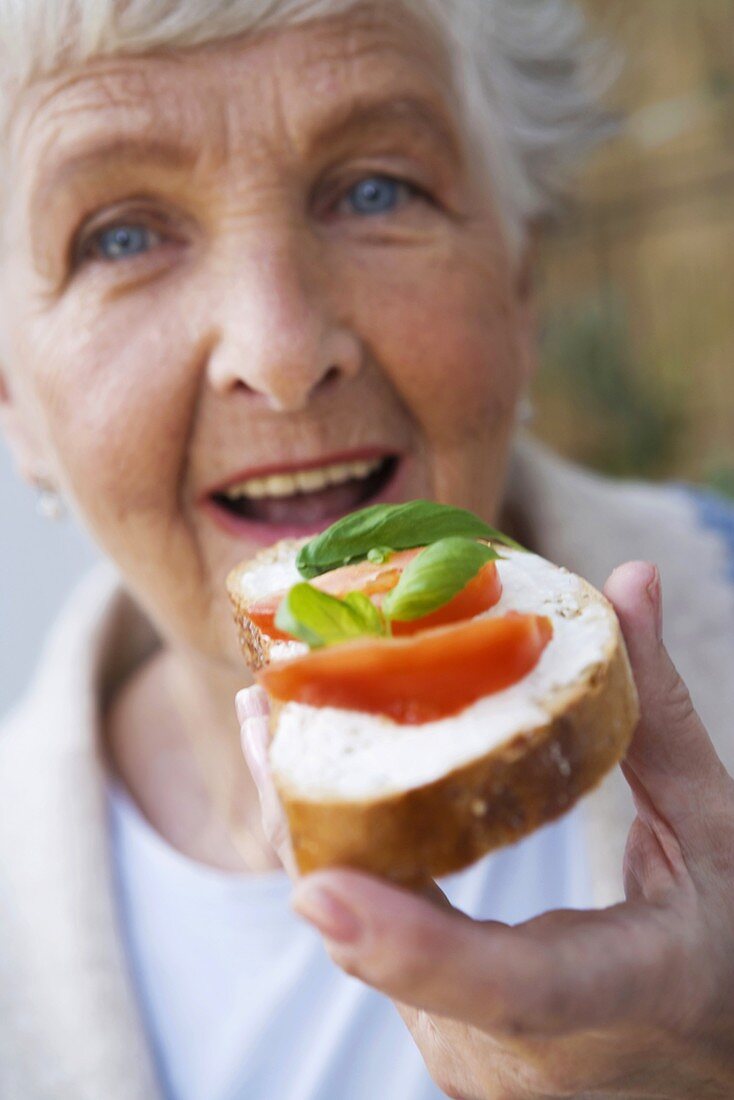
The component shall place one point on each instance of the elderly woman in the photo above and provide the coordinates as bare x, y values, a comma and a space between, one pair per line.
264, 261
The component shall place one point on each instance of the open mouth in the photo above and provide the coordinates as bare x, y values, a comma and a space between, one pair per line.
307, 498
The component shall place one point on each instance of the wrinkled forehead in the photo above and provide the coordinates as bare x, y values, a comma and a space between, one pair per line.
286, 87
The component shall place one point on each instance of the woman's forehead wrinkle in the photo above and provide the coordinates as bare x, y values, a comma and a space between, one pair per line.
353, 79
398, 42
60, 101
304, 73
104, 115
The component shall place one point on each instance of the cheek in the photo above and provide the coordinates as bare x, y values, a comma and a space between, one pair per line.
446, 329
117, 397
118, 389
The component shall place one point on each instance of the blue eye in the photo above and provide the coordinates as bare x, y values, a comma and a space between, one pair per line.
121, 241
377, 195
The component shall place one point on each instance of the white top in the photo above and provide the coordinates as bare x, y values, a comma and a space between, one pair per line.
238, 994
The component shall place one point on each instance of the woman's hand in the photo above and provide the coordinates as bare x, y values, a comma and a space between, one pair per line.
632, 1001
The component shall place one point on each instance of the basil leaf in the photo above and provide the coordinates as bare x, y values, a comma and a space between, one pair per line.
318, 619
435, 576
286, 619
368, 614
400, 526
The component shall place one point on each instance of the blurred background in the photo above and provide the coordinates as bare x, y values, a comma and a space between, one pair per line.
637, 284
636, 295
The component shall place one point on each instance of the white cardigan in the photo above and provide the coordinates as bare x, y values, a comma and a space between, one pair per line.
69, 1025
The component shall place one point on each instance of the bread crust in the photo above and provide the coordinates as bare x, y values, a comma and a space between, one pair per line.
443, 826
254, 644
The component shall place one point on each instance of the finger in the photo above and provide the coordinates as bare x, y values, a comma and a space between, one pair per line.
252, 711
431, 891
254, 744
671, 752
568, 971
255, 739
251, 702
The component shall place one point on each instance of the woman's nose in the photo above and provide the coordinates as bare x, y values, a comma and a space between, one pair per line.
279, 335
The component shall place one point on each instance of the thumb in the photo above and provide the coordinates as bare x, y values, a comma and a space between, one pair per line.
671, 753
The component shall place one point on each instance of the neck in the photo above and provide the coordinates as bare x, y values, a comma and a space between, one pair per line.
174, 744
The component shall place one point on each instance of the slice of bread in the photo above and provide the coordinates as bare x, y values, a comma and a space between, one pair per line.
412, 802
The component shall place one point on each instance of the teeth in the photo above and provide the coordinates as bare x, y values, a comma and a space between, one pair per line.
257, 488
303, 481
309, 480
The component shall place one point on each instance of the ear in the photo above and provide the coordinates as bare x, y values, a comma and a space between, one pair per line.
20, 438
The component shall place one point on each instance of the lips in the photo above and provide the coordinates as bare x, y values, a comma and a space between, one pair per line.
299, 500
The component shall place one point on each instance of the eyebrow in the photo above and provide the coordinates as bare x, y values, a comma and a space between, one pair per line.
91, 156
365, 114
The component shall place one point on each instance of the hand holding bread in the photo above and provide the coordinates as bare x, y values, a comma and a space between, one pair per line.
632, 1001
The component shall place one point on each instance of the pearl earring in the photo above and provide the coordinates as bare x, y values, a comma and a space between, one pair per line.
49, 502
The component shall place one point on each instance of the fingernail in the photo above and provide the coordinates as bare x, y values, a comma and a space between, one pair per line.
257, 762
655, 594
327, 912
254, 742
248, 704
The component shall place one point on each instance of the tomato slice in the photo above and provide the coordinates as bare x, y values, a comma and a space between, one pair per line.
374, 580
419, 679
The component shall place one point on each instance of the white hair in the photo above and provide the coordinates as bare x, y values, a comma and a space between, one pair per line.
529, 78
